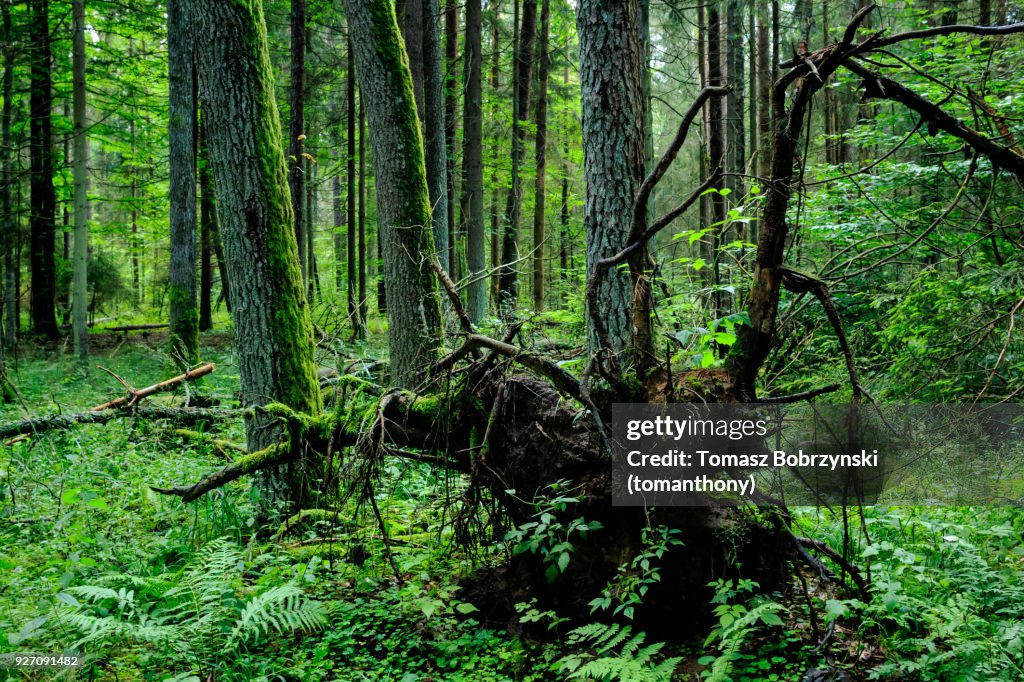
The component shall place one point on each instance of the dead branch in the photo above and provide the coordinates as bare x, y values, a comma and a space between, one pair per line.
134, 397
877, 86
855, 574
137, 327
37, 425
270, 456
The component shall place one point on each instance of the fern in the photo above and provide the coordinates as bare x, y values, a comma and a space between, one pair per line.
612, 652
196, 618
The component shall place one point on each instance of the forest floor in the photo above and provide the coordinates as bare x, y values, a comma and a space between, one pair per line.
77, 517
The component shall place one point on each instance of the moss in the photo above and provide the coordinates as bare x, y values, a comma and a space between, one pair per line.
312, 515
184, 330
261, 459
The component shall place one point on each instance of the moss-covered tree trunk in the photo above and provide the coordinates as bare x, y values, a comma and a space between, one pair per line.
403, 206
273, 332
181, 288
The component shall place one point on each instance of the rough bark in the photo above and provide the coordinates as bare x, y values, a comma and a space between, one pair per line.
403, 208
181, 288
451, 103
363, 301
79, 285
350, 118
434, 127
540, 188
735, 102
8, 237
273, 332
613, 148
765, 76
43, 201
473, 163
208, 234
508, 283
296, 130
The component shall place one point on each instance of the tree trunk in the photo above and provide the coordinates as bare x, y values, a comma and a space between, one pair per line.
473, 163
338, 213
403, 200
495, 83
43, 200
434, 126
613, 148
765, 76
296, 130
351, 293
363, 303
8, 236
181, 289
716, 151
508, 286
273, 332
451, 103
736, 144
208, 233
79, 286
313, 283
540, 190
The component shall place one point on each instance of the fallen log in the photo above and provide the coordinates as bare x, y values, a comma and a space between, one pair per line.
63, 421
138, 327
135, 396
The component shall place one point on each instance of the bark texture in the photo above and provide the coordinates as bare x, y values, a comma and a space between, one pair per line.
473, 163
79, 283
613, 146
403, 208
274, 335
181, 288
43, 200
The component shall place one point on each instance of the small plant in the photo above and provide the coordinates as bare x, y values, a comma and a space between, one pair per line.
549, 536
612, 652
635, 579
737, 620
198, 619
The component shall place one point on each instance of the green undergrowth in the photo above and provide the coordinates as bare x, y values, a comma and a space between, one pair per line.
154, 589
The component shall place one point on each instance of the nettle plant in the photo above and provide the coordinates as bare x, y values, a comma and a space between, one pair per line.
548, 535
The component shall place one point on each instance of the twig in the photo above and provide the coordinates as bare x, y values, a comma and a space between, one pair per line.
136, 396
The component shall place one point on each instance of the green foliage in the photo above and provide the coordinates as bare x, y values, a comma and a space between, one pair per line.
634, 579
549, 535
616, 655
199, 618
737, 621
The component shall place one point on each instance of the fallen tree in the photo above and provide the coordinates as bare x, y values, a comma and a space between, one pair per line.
515, 434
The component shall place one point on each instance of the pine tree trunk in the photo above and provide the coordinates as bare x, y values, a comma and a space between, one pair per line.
208, 233
181, 289
338, 213
613, 148
508, 286
473, 163
350, 289
273, 332
540, 190
43, 199
296, 130
495, 83
363, 302
8, 236
451, 103
716, 150
79, 285
765, 74
434, 127
403, 200
735, 101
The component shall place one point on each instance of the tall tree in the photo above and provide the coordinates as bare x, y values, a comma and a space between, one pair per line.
403, 200
43, 200
451, 51
735, 127
613, 148
473, 163
420, 22
351, 281
273, 331
540, 189
8, 238
181, 289
363, 301
207, 231
508, 287
296, 129
79, 325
